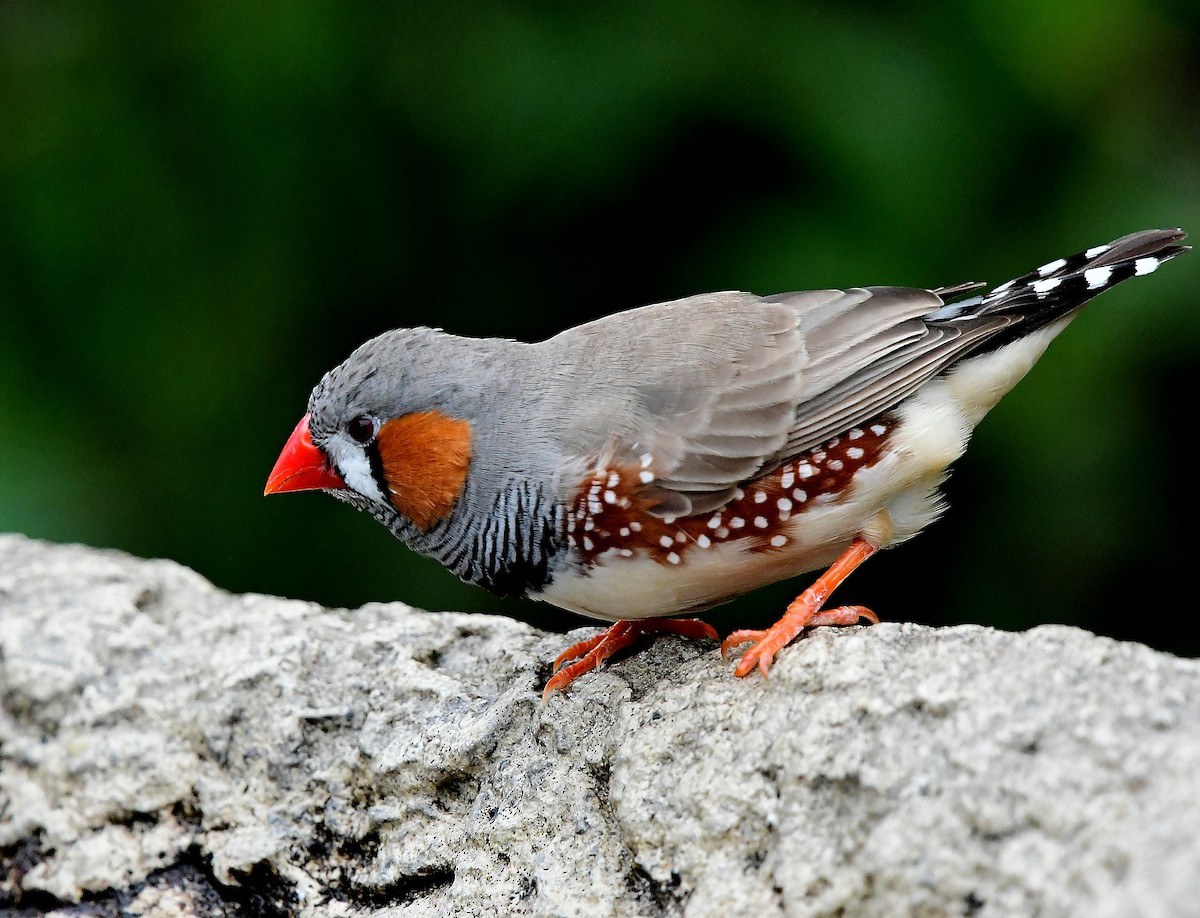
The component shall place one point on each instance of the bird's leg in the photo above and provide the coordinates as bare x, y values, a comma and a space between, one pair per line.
591, 653
804, 612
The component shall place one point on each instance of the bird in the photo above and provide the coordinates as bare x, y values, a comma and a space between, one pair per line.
657, 462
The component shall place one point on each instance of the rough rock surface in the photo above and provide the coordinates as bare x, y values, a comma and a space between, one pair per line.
167, 748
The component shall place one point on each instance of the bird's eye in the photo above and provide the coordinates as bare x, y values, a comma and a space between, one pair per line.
361, 429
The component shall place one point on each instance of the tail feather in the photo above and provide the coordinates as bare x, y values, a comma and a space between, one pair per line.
1067, 283
1062, 286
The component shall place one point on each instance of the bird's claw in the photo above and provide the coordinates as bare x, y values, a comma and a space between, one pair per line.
590, 653
768, 643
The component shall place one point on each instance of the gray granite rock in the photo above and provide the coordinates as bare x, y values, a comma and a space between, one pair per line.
167, 748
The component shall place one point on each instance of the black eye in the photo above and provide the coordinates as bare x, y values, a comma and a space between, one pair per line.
361, 429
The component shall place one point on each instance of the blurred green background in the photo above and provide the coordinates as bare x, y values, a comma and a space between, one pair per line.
204, 207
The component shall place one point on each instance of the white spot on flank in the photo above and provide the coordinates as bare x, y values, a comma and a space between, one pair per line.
855, 452
722, 533
588, 525
738, 493
681, 536
610, 497
779, 541
737, 523
855, 434
626, 552
571, 540
587, 543
805, 470
635, 526
783, 503
1043, 287
646, 460
1145, 266
645, 477
703, 541
1097, 277
801, 496
1095, 250
1051, 267
715, 521
594, 505
788, 479
784, 516
835, 464
669, 520
666, 541
878, 429
613, 479
625, 532
571, 524
761, 522
760, 497
673, 558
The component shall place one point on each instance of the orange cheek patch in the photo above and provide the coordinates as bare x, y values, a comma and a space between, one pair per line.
425, 459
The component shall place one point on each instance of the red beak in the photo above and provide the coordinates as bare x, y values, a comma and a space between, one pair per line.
302, 466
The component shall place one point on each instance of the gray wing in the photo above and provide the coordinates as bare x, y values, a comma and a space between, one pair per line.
868, 349
706, 387
718, 388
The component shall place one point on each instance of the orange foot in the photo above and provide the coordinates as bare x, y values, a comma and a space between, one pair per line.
591, 654
803, 613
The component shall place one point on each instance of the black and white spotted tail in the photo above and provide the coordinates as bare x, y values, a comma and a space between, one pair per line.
1063, 285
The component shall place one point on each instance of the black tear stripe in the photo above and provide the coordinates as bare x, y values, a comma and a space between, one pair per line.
375, 462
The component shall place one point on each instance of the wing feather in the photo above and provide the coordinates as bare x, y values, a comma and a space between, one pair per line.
721, 387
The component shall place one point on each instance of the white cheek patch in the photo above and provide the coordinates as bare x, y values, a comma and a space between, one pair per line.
351, 462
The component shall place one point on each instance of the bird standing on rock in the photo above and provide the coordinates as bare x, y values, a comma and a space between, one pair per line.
666, 459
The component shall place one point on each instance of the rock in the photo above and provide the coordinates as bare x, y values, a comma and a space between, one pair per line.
167, 748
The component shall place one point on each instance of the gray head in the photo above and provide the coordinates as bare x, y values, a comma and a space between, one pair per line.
388, 429
395, 429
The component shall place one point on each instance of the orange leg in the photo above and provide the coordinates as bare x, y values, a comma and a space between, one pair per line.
803, 613
591, 653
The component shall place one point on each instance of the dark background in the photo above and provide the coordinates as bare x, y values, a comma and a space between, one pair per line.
204, 207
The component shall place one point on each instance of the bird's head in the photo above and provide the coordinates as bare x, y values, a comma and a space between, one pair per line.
385, 431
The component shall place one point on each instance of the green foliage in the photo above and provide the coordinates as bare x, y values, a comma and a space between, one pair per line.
203, 207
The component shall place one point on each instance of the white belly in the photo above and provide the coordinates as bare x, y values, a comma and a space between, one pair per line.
641, 587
